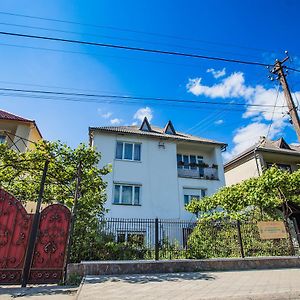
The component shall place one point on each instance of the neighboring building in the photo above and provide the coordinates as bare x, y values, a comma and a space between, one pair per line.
156, 171
19, 133
262, 155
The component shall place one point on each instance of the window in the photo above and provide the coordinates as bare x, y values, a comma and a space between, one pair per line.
192, 194
2, 139
132, 237
126, 194
128, 151
189, 162
283, 167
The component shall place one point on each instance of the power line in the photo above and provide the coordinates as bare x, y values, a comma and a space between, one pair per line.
120, 38
125, 97
277, 96
102, 55
134, 31
116, 101
145, 50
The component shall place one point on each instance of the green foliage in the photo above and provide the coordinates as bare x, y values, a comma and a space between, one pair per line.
265, 193
73, 279
21, 173
213, 239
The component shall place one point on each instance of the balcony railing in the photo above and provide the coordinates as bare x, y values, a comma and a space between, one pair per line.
207, 173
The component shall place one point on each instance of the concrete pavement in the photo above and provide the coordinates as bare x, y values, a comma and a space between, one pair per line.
46, 292
255, 284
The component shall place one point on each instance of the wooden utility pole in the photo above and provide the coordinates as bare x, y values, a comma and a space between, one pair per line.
278, 69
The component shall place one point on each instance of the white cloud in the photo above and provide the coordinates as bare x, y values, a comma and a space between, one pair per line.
219, 122
250, 134
217, 73
115, 121
142, 113
232, 86
106, 115
261, 113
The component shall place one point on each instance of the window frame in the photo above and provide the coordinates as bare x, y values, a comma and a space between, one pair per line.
133, 194
2, 138
201, 194
281, 166
128, 234
134, 144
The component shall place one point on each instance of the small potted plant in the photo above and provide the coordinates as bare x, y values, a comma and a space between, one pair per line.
203, 165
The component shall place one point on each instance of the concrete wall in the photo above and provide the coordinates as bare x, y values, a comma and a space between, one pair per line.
187, 265
16, 129
161, 188
248, 168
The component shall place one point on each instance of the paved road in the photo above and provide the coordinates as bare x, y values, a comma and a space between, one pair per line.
258, 284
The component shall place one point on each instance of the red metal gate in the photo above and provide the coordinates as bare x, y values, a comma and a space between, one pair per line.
48, 260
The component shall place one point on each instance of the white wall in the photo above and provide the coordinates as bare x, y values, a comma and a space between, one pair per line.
161, 189
245, 170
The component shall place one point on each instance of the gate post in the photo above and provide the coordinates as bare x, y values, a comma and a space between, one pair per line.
297, 230
238, 224
73, 219
156, 239
34, 229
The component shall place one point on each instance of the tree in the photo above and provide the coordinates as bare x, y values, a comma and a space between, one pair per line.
20, 174
255, 197
267, 197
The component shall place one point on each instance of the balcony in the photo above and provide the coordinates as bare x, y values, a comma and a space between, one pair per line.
207, 173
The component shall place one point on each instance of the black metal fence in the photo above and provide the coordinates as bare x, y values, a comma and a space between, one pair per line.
171, 239
160, 239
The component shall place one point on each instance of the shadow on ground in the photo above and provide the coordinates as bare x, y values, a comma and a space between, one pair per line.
15, 291
143, 278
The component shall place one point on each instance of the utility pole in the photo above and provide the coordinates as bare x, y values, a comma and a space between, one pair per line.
279, 71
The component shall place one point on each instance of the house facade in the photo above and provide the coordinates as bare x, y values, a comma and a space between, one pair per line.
156, 171
264, 154
19, 133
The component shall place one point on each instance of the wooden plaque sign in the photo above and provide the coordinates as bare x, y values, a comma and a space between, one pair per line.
272, 230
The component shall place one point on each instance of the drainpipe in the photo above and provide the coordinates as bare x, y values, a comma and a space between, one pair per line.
255, 157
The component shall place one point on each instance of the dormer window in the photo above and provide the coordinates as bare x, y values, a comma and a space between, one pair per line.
145, 125
283, 144
169, 128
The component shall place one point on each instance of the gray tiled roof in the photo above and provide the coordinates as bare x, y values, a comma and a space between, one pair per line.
267, 145
155, 132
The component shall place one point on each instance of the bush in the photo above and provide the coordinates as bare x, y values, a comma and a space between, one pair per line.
212, 239
104, 247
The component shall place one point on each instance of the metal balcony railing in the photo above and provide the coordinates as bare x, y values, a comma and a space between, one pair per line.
207, 173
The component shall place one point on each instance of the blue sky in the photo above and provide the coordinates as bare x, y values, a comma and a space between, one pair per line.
248, 30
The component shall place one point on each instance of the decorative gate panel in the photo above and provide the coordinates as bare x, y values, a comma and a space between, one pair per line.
15, 226
51, 243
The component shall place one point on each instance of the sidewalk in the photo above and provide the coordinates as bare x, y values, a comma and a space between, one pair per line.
46, 292
256, 284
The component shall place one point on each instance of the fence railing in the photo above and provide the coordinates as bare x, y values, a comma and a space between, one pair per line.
171, 239
207, 173
159, 238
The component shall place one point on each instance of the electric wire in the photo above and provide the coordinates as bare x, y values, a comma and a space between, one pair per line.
126, 97
138, 49
275, 105
124, 39
163, 35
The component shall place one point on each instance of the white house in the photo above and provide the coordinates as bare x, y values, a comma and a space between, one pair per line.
156, 171
259, 157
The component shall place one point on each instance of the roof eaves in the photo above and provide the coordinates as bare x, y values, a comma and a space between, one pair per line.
159, 135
